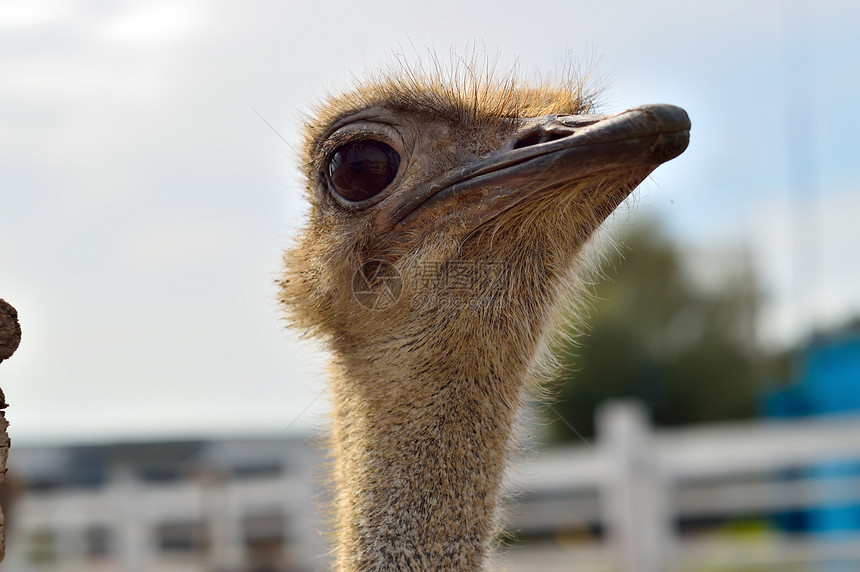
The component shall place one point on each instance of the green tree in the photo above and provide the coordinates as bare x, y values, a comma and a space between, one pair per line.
687, 352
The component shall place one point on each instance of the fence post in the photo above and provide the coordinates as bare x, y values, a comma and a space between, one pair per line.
634, 497
223, 522
134, 540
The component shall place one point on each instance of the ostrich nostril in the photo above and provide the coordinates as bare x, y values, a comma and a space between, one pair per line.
529, 139
540, 136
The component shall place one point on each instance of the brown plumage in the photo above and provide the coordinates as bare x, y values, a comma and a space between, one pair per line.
448, 216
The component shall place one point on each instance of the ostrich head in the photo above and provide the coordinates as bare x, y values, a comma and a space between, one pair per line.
446, 225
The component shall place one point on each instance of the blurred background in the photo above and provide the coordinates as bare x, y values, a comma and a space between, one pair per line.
164, 419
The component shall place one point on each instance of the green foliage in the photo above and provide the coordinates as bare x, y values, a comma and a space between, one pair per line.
686, 351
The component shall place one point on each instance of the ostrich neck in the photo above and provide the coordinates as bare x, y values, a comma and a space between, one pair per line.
420, 451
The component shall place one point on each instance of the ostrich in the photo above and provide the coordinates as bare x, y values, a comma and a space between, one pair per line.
447, 225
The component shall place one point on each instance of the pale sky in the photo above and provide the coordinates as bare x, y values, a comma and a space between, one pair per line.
144, 205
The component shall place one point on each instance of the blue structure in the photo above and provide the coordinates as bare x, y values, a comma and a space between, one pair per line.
827, 383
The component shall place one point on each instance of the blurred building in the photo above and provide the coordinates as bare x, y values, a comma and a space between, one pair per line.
827, 379
234, 505
827, 383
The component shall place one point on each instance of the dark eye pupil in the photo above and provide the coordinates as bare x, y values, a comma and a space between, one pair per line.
361, 169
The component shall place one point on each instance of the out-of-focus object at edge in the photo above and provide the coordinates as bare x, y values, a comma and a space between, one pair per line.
10, 337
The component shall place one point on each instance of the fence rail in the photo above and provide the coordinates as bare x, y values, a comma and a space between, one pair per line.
638, 483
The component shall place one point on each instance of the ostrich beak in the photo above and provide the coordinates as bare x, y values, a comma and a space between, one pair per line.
546, 152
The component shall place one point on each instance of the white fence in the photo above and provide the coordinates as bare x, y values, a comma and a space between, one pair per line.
638, 483
205, 521
634, 483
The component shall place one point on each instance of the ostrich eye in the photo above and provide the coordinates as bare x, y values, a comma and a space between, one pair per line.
361, 169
